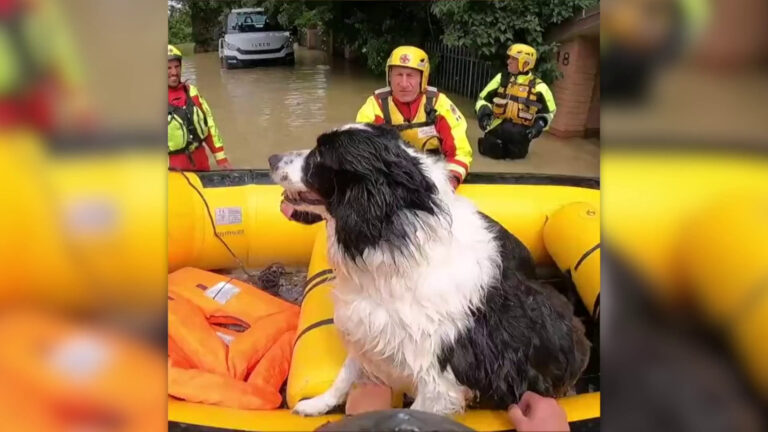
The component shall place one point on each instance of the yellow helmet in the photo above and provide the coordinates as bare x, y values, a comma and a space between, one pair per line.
525, 55
410, 57
173, 53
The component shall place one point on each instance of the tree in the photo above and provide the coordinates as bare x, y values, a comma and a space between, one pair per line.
179, 23
206, 17
490, 27
375, 28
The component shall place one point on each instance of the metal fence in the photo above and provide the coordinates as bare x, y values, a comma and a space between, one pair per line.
458, 70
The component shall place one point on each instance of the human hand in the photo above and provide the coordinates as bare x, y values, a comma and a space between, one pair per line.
537, 413
367, 397
484, 117
537, 128
454, 182
225, 165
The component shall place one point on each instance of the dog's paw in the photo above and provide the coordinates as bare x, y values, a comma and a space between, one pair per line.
314, 407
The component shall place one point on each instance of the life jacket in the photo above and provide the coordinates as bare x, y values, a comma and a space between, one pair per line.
26, 75
420, 132
59, 374
23, 52
516, 99
229, 343
187, 125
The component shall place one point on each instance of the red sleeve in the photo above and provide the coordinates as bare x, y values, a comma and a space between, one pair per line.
444, 130
209, 143
449, 144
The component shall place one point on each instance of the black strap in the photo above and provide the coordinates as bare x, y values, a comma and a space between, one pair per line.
406, 126
585, 255
429, 109
317, 283
313, 326
385, 110
429, 106
526, 101
383, 96
316, 276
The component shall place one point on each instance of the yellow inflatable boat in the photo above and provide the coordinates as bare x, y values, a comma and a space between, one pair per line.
218, 220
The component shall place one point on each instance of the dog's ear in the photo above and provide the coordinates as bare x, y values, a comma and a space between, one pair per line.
360, 218
405, 177
406, 173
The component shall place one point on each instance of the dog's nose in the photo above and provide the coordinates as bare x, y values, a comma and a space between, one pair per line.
274, 160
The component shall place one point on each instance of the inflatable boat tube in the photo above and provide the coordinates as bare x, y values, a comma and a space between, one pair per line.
318, 352
572, 238
583, 412
728, 276
244, 207
246, 216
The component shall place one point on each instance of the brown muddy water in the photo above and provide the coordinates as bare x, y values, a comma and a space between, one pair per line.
269, 109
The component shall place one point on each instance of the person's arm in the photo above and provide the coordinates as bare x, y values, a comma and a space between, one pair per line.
486, 94
370, 112
213, 139
451, 126
367, 397
548, 100
544, 116
483, 106
537, 413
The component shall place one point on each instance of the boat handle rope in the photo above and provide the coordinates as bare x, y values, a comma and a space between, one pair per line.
213, 226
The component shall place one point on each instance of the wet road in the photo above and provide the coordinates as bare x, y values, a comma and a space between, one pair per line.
269, 109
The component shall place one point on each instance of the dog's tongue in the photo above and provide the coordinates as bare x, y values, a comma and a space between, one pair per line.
287, 209
304, 217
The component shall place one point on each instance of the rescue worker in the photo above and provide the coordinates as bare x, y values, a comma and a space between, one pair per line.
426, 119
514, 108
190, 123
41, 83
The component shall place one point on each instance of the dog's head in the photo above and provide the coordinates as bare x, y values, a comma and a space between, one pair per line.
365, 179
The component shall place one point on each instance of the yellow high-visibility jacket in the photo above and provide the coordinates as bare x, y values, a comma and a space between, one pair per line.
431, 123
518, 98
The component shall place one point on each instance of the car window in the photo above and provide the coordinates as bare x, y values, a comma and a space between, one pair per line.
249, 22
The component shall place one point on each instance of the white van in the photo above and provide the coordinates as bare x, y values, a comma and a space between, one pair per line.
249, 37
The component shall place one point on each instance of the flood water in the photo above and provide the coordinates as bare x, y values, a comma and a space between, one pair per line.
268, 109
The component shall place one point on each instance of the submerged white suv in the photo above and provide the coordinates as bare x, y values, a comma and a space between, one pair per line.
249, 36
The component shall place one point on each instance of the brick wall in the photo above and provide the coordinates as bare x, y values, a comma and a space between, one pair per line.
579, 63
592, 128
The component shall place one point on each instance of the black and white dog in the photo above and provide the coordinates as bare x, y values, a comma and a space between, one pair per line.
431, 295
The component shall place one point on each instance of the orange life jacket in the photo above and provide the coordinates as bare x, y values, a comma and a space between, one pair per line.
229, 343
59, 374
